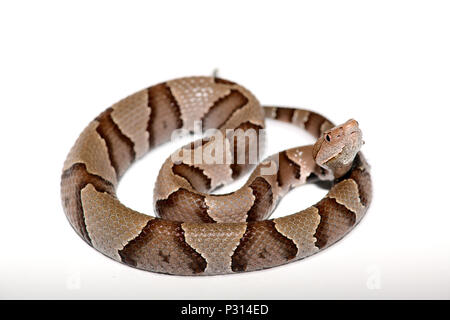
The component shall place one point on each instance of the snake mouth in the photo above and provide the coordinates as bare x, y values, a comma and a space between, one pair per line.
334, 156
330, 159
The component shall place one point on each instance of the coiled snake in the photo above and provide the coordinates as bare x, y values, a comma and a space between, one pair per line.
196, 232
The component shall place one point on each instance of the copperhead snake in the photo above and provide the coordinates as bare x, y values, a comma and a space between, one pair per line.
196, 232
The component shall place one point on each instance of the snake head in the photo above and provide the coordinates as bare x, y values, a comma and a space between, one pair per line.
337, 147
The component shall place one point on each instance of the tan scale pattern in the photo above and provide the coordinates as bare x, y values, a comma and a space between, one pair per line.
219, 173
300, 228
167, 182
300, 117
91, 150
270, 112
231, 207
131, 116
327, 125
184, 206
195, 96
302, 156
109, 223
216, 243
346, 193
251, 112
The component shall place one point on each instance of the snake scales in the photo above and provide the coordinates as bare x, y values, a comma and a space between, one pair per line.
196, 232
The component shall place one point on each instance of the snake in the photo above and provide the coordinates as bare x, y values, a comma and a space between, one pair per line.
195, 231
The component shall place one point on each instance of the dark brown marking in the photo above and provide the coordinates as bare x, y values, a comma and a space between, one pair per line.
363, 180
223, 109
165, 115
223, 81
284, 114
335, 221
161, 247
268, 112
361, 175
262, 246
323, 184
263, 199
189, 149
73, 180
164, 256
197, 143
195, 176
185, 206
262, 254
288, 171
239, 149
313, 124
120, 147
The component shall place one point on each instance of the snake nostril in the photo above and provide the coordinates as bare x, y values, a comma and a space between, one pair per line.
327, 137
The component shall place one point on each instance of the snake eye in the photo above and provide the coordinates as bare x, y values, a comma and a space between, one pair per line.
327, 137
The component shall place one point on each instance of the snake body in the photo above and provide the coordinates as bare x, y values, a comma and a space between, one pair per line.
196, 232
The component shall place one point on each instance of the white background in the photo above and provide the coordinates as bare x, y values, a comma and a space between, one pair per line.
384, 63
